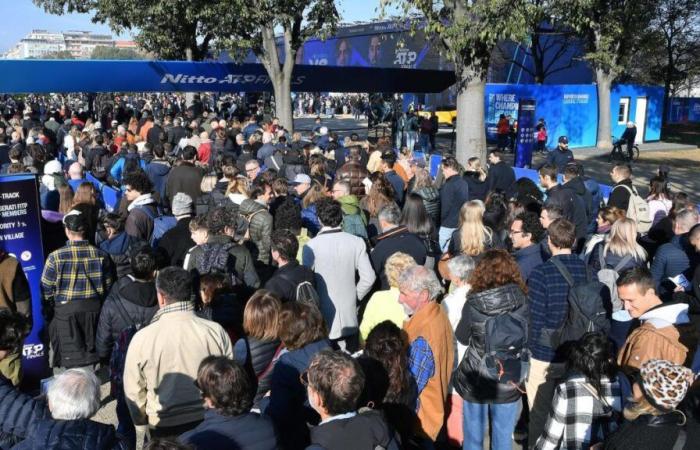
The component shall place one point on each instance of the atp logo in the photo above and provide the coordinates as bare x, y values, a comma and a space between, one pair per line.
33, 351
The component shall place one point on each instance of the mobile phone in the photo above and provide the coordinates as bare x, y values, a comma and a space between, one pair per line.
681, 281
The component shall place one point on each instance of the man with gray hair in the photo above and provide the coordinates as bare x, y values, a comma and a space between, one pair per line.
73, 398
394, 238
677, 256
431, 355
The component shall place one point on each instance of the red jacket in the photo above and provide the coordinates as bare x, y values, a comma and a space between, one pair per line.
204, 152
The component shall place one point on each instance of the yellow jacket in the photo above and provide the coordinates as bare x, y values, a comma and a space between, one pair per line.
383, 305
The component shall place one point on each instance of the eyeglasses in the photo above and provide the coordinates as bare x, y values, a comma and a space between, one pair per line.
251, 170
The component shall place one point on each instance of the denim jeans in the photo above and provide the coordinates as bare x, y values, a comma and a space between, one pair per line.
411, 137
444, 235
126, 425
503, 419
424, 142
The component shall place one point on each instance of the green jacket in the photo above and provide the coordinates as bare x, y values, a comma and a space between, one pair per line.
354, 220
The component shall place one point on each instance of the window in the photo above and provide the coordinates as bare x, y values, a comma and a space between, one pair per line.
623, 111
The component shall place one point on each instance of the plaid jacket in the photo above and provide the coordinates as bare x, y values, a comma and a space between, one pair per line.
578, 419
77, 271
548, 292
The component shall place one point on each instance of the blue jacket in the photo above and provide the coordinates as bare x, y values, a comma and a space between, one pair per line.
672, 259
118, 168
309, 220
18, 412
248, 431
397, 183
157, 172
453, 194
528, 258
288, 404
50, 434
548, 292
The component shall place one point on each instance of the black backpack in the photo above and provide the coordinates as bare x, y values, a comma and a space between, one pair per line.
505, 357
217, 258
304, 292
101, 164
590, 310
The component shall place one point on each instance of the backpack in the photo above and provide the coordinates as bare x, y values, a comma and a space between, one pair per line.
132, 163
609, 278
161, 224
638, 209
217, 258
305, 292
505, 358
117, 360
101, 164
589, 310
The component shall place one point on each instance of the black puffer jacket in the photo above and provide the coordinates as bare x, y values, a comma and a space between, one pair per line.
431, 201
257, 357
139, 302
470, 331
50, 434
18, 411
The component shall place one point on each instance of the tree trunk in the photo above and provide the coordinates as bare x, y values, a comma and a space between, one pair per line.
189, 96
471, 128
283, 102
603, 83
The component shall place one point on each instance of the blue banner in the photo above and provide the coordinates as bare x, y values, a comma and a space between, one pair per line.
20, 236
24, 76
526, 133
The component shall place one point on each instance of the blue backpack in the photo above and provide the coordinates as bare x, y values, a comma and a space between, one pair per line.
161, 224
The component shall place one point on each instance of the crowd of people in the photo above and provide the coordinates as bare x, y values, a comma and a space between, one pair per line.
261, 289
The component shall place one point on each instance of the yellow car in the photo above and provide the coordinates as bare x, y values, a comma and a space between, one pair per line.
447, 115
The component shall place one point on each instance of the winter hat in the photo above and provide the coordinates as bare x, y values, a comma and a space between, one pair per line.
665, 384
182, 204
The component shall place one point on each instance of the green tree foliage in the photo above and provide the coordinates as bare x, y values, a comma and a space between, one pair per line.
104, 52
612, 32
63, 54
191, 29
468, 31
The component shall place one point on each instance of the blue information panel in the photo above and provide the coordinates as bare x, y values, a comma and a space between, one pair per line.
526, 133
20, 236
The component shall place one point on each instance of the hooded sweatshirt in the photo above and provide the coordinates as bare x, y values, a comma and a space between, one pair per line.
665, 333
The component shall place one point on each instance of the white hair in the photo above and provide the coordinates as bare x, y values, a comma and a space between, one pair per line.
461, 267
74, 394
419, 279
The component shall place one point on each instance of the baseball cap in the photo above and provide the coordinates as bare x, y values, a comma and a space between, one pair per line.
301, 178
563, 140
74, 220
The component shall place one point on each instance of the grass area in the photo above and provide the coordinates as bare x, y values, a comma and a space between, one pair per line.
682, 134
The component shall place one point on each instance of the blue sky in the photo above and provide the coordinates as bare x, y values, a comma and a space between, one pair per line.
21, 16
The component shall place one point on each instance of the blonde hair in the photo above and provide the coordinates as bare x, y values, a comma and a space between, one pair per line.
475, 164
422, 179
208, 183
395, 265
314, 194
238, 185
472, 232
622, 240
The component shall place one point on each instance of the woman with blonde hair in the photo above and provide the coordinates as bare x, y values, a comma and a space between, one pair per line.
207, 185
258, 348
606, 218
473, 238
309, 217
475, 176
237, 189
384, 305
620, 250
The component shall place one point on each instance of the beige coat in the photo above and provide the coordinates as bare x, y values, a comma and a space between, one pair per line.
161, 367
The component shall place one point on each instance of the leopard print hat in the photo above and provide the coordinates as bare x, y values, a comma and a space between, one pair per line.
664, 383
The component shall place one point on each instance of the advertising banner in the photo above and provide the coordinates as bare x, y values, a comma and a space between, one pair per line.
20, 236
20, 76
526, 133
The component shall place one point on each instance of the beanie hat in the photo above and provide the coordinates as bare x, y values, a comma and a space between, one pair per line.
182, 204
665, 384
